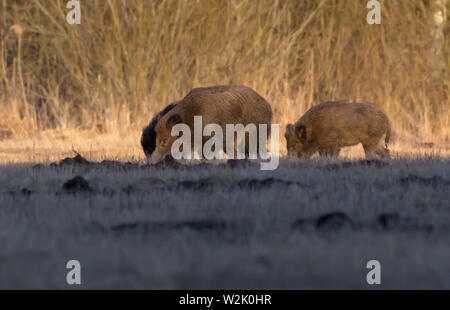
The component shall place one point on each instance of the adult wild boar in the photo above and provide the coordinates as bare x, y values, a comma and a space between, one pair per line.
148, 138
329, 126
221, 105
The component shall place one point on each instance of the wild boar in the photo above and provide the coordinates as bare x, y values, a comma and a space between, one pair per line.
148, 138
329, 126
221, 105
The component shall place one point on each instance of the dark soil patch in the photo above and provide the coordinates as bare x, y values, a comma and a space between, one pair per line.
333, 222
72, 161
79, 161
389, 222
26, 192
77, 185
328, 223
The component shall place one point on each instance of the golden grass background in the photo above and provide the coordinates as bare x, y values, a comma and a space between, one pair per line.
104, 79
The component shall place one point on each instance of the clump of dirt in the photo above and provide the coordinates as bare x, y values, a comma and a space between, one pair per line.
77, 185
72, 161
329, 223
80, 161
335, 221
167, 163
339, 221
26, 192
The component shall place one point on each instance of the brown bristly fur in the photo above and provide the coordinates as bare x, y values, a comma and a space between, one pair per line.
330, 126
221, 105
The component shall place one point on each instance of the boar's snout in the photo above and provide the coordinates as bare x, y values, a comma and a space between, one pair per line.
156, 157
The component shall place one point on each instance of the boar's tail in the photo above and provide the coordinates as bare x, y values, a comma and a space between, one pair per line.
388, 134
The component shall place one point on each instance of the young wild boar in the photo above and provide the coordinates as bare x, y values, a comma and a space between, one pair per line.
221, 105
148, 138
329, 126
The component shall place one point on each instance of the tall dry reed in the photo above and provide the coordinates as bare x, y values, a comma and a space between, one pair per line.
130, 58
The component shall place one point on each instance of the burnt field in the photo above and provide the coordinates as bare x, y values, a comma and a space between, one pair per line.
308, 224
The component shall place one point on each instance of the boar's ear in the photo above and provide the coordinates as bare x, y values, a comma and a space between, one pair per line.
173, 120
300, 130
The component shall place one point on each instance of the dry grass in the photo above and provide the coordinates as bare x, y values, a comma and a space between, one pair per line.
128, 59
143, 227
54, 145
